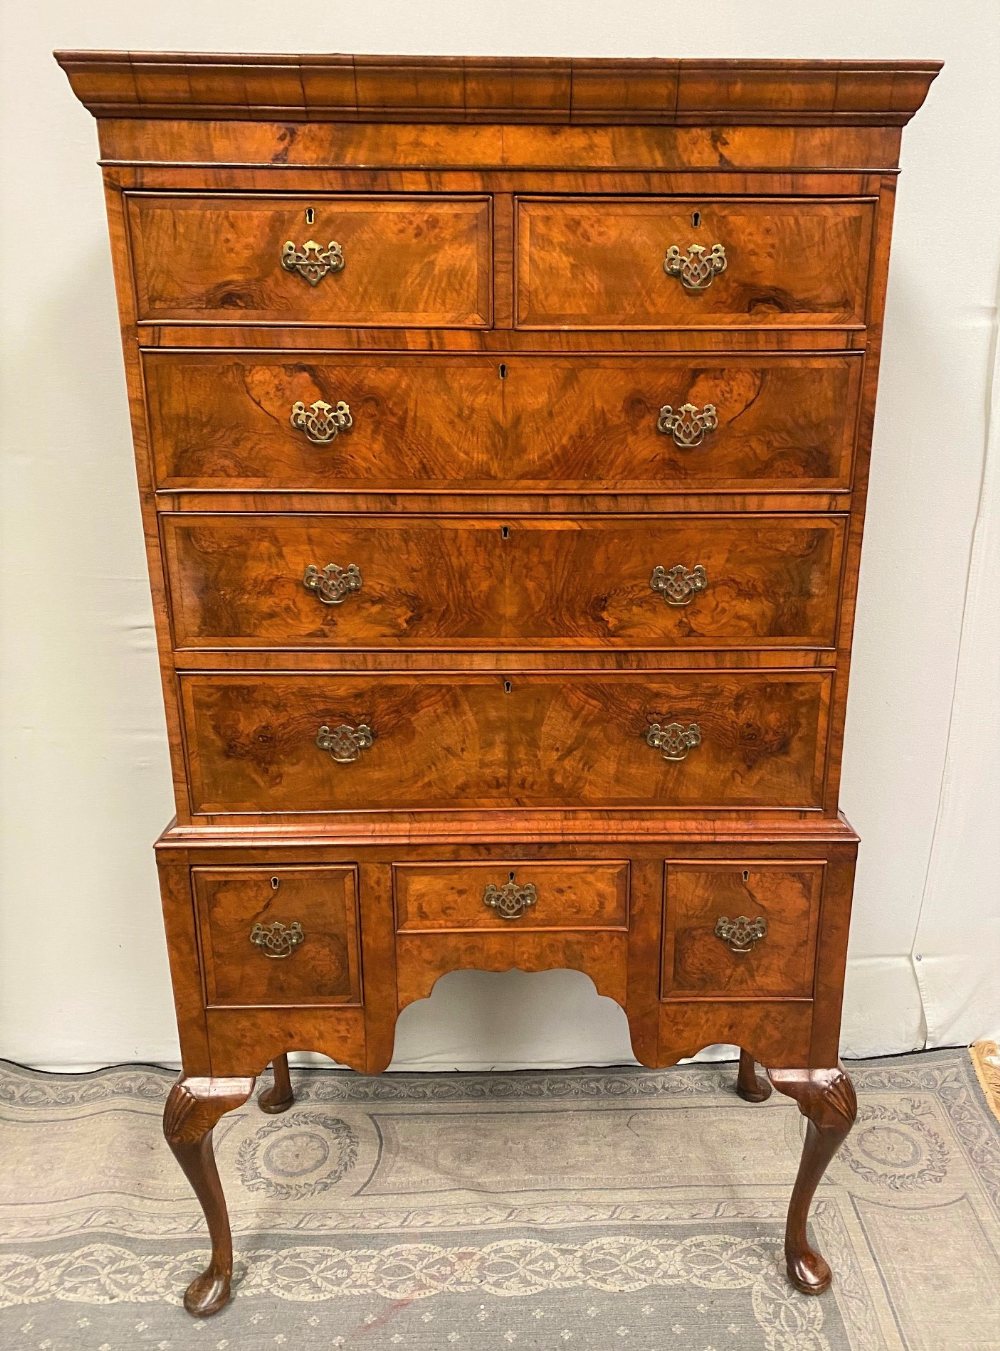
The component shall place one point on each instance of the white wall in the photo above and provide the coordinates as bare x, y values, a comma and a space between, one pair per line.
83, 977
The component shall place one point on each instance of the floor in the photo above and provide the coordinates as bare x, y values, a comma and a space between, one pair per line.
590, 1210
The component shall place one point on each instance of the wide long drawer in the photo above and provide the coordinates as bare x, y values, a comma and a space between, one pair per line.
667, 262
315, 742
286, 421
409, 581
388, 261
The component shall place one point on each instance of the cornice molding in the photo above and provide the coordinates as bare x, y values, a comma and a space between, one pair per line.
336, 88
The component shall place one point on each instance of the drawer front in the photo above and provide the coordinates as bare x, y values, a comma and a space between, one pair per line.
741, 930
510, 896
284, 935
522, 582
331, 743
399, 261
241, 421
635, 262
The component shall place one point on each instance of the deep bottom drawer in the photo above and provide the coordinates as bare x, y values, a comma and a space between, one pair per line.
324, 743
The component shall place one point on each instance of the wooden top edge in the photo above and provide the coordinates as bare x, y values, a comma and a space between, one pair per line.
554, 829
337, 87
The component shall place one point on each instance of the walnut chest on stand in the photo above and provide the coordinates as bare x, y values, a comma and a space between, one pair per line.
502, 430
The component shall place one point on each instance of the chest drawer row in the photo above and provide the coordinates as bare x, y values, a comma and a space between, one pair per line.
428, 261
287, 935
294, 421
423, 582
319, 742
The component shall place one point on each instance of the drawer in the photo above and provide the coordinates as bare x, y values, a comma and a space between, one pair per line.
316, 742
242, 421
669, 262
406, 581
399, 261
741, 930
279, 935
433, 897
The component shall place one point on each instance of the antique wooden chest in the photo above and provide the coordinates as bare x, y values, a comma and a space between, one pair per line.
502, 431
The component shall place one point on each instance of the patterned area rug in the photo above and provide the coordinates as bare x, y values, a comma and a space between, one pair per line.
579, 1210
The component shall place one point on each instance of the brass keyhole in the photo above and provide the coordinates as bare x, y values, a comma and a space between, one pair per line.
507, 687
502, 370
274, 884
746, 875
505, 532
310, 216
696, 219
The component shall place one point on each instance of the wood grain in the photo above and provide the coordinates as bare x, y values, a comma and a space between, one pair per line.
221, 420
599, 264
407, 260
471, 741
514, 582
317, 87
571, 894
787, 896
324, 969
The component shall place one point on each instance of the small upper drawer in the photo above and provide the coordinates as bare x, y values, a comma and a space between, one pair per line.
285, 935
464, 897
381, 261
741, 930
637, 263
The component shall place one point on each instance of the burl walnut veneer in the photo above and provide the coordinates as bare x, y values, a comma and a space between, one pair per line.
502, 430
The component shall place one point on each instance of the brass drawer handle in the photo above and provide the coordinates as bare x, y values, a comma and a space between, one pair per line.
678, 585
511, 899
697, 268
741, 933
332, 584
689, 425
344, 743
673, 740
312, 261
277, 940
321, 422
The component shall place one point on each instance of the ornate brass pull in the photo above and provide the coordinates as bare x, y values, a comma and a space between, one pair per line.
277, 940
321, 422
510, 900
673, 740
332, 584
678, 585
741, 933
689, 425
697, 268
344, 743
312, 261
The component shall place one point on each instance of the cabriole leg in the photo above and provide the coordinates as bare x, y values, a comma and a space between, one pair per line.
279, 1097
749, 1085
193, 1108
827, 1100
